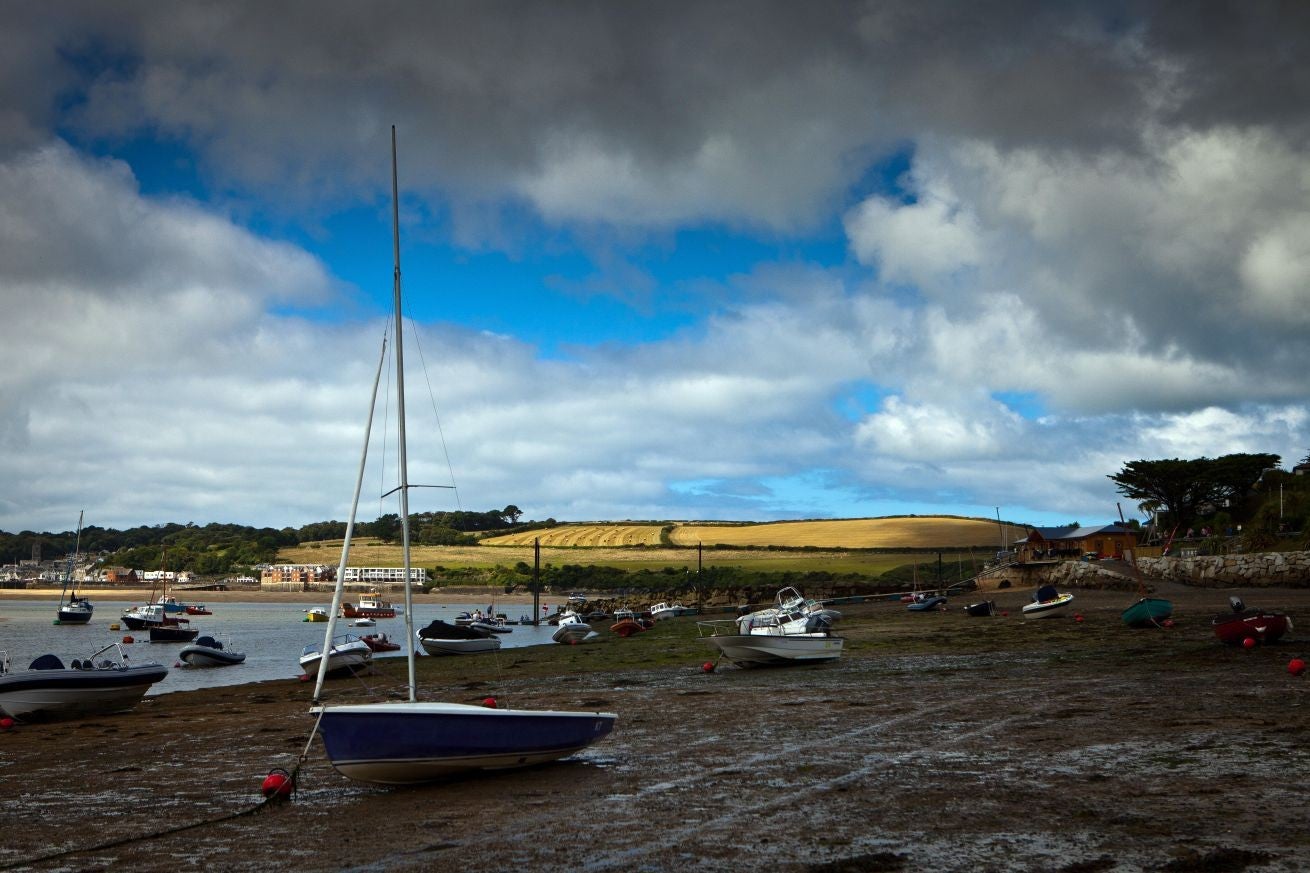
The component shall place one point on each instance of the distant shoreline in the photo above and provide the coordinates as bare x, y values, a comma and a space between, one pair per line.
144, 594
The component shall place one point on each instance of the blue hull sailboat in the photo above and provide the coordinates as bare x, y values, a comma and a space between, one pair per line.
411, 741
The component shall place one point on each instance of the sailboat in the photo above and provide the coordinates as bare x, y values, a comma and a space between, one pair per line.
74, 610
413, 741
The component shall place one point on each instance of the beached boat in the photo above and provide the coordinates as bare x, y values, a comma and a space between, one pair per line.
661, 611
1234, 628
982, 608
1047, 603
794, 631
102, 683
443, 638
1148, 612
370, 606
346, 654
73, 609
209, 652
414, 741
626, 623
926, 603
573, 629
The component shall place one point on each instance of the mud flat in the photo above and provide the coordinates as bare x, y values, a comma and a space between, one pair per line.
938, 742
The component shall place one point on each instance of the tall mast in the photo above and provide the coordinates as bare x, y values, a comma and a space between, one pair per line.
400, 416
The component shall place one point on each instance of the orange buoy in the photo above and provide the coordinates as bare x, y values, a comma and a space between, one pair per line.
128, 639
1296, 666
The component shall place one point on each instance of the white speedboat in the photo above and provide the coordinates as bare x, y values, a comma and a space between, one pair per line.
1047, 602
794, 631
347, 654
102, 683
441, 638
661, 611
572, 629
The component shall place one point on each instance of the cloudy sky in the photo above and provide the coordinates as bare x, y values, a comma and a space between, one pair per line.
666, 260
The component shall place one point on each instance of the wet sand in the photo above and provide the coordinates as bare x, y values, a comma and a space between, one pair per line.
937, 742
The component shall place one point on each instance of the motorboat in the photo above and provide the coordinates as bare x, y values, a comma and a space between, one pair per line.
443, 638
346, 654
418, 741
661, 611
171, 604
103, 683
209, 652
380, 643
573, 629
492, 624
982, 608
198, 609
626, 623
364, 622
173, 630
1047, 602
370, 606
316, 614
795, 631
1242, 623
143, 617
73, 609
926, 603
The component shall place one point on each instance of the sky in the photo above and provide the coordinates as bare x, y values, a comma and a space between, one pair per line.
661, 260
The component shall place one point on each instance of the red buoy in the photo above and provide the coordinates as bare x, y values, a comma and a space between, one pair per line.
707, 667
1249, 643
489, 702
1168, 622
1296, 666
1005, 614
1078, 618
6, 723
278, 783
128, 640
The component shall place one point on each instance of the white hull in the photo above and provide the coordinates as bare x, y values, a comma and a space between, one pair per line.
350, 657
201, 656
572, 633
459, 647
63, 703
1050, 608
757, 650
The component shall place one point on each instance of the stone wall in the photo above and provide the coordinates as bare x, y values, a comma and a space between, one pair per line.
1260, 570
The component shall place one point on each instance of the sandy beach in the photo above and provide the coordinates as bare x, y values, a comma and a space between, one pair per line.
938, 742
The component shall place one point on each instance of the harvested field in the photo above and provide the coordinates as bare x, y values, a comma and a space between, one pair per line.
589, 535
917, 532
938, 742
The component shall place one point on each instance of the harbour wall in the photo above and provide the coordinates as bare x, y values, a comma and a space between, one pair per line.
1257, 570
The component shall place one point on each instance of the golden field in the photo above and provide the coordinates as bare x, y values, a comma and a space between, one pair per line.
590, 535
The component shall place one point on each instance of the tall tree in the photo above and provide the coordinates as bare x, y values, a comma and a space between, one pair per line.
1177, 486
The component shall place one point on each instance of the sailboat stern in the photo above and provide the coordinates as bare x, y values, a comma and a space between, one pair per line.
406, 743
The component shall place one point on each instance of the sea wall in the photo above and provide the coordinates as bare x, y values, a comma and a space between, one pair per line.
1259, 570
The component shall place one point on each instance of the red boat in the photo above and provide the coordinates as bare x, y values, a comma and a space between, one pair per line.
1261, 625
627, 627
370, 606
380, 643
197, 609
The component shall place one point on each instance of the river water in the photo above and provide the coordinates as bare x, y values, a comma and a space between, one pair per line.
271, 634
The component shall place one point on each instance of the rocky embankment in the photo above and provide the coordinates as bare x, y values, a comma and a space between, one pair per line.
1262, 570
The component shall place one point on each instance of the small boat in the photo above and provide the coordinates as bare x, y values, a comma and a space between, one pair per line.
173, 630
380, 643
1047, 602
209, 652
316, 613
981, 608
1148, 612
795, 631
1235, 627
90, 686
364, 622
417, 741
370, 606
661, 611
74, 610
347, 654
171, 604
572, 629
443, 638
197, 609
926, 603
143, 617
626, 623
492, 625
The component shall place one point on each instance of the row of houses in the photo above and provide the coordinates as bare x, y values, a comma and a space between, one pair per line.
307, 577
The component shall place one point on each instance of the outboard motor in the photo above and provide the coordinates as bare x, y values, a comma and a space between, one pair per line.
1236, 603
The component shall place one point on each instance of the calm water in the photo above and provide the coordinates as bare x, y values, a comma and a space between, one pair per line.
271, 634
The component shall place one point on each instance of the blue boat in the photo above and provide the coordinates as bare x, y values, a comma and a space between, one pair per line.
412, 741
927, 603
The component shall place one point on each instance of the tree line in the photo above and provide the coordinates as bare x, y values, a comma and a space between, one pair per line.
229, 548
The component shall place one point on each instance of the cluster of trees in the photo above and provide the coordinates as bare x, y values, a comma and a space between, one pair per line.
230, 548
1250, 490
